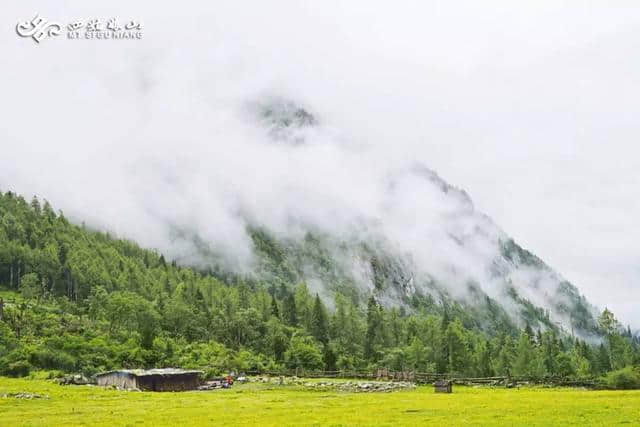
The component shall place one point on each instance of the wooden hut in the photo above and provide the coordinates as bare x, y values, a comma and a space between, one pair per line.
151, 380
442, 386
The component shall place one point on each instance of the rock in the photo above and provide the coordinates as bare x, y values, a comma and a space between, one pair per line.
24, 395
364, 387
76, 379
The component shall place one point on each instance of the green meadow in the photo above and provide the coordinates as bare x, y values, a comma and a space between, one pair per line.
266, 404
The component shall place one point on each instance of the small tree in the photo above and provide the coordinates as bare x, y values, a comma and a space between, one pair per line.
289, 310
523, 363
319, 327
31, 286
274, 307
303, 353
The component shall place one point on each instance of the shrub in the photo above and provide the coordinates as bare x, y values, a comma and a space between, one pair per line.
53, 359
51, 375
210, 373
303, 353
19, 368
625, 378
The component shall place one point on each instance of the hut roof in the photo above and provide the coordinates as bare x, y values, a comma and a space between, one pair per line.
147, 372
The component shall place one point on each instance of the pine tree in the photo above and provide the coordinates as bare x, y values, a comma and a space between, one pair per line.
274, 307
505, 357
373, 323
445, 318
481, 357
549, 352
457, 348
442, 361
289, 310
395, 327
319, 327
35, 205
522, 365
329, 357
529, 332
603, 362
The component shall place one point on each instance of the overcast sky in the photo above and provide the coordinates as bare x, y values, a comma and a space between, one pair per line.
533, 109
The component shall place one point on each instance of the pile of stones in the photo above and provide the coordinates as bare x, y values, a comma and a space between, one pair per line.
361, 387
76, 379
212, 385
348, 386
279, 380
24, 395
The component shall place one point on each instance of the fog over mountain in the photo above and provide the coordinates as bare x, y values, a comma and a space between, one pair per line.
360, 123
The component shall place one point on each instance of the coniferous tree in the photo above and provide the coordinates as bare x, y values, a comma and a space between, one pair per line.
456, 348
483, 359
524, 361
373, 324
505, 357
529, 332
319, 327
274, 307
289, 310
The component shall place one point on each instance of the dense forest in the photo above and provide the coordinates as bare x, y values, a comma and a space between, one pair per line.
80, 300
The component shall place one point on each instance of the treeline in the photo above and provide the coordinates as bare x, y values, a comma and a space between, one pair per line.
80, 300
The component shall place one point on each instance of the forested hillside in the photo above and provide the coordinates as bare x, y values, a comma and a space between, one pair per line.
79, 300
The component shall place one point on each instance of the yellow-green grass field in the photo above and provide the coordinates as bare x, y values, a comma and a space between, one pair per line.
258, 404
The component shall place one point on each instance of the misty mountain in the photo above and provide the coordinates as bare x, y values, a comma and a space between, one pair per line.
425, 239
298, 200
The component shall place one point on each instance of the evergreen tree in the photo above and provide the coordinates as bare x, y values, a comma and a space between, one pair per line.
505, 357
529, 332
456, 345
319, 327
289, 310
550, 351
373, 324
523, 364
274, 307
483, 359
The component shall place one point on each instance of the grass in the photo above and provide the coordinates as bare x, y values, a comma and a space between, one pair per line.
258, 404
8, 294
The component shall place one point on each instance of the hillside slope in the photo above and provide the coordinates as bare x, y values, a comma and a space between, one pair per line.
80, 300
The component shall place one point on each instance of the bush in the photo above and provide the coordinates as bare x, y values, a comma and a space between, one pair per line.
52, 375
42, 375
20, 368
53, 359
623, 379
303, 353
210, 373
